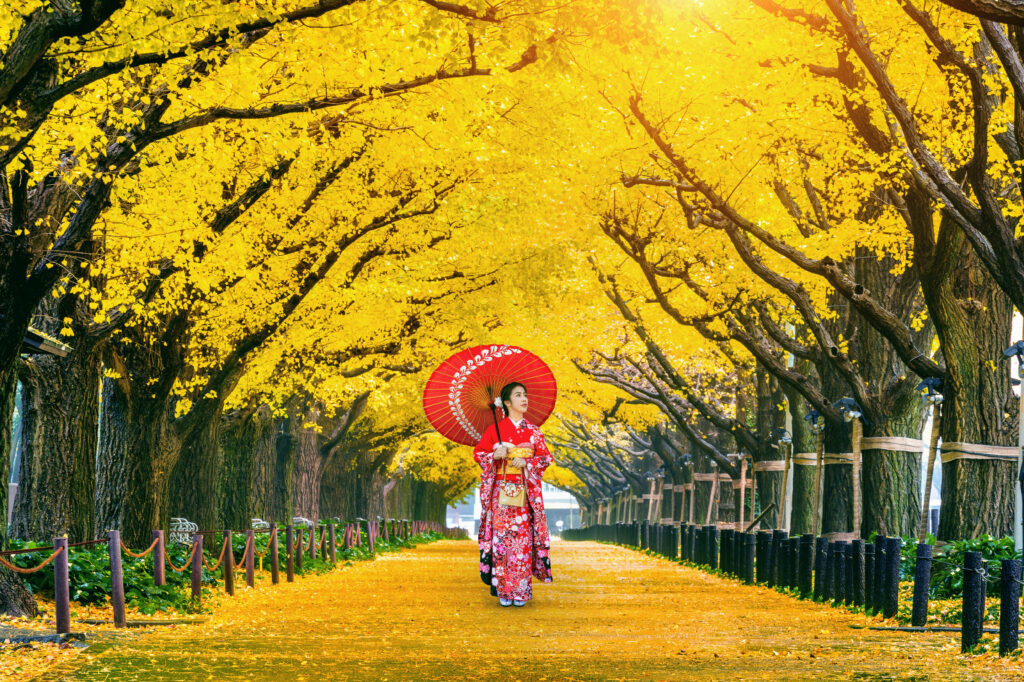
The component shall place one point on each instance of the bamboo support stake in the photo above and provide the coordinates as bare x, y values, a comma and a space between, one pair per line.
788, 447
858, 506
712, 498
818, 477
933, 446
743, 488
753, 488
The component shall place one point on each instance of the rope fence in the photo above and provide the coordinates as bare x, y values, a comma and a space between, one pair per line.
34, 569
197, 561
140, 555
834, 571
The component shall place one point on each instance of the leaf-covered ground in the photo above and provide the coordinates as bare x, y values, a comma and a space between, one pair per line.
612, 614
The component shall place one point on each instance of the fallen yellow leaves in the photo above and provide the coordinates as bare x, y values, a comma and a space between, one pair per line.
611, 614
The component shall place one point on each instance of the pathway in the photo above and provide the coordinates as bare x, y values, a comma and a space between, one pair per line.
612, 614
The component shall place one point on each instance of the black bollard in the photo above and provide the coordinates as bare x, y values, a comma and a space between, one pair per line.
739, 543
857, 567
805, 565
869, 576
892, 577
778, 536
712, 547
749, 551
828, 574
726, 562
848, 572
922, 583
881, 553
764, 553
692, 543
820, 555
794, 562
782, 563
839, 592
1009, 606
974, 600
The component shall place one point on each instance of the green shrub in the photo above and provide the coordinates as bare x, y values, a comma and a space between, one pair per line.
947, 581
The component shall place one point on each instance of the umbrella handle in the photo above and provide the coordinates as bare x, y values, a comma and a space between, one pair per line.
497, 431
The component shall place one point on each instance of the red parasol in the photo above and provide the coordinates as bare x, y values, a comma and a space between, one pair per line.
460, 394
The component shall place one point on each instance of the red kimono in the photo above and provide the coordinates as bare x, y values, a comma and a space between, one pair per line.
514, 541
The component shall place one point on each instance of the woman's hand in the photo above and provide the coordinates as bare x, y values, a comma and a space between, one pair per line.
501, 452
518, 462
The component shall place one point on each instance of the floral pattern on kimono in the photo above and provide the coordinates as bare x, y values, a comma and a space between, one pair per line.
514, 541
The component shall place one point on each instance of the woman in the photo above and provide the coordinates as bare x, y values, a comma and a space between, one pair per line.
514, 540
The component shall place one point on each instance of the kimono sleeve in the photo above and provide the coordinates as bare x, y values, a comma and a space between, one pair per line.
483, 453
541, 455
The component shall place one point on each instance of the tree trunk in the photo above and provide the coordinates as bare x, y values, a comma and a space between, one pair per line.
58, 472
890, 481
195, 476
249, 458
802, 517
138, 447
972, 318
308, 474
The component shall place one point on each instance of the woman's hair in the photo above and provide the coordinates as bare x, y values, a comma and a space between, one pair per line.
506, 394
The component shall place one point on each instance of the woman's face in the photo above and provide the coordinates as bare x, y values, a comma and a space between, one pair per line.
518, 401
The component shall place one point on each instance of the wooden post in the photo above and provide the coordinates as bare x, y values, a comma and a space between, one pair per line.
275, 561
386, 536
250, 558
312, 541
289, 561
348, 536
197, 567
299, 549
371, 531
116, 578
159, 568
333, 546
229, 565
61, 587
